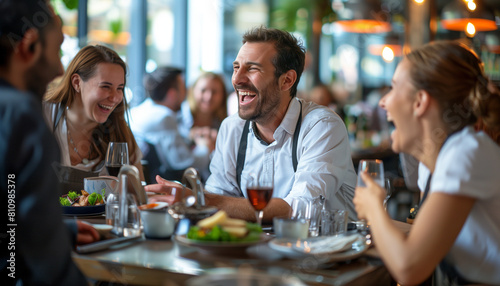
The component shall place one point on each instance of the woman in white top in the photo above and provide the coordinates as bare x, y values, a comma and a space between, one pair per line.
438, 92
86, 111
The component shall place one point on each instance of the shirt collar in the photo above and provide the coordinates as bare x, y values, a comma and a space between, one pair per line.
289, 122
292, 115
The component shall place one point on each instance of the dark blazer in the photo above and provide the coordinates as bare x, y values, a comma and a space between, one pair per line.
32, 229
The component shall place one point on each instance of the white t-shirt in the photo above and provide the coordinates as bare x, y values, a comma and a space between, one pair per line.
469, 164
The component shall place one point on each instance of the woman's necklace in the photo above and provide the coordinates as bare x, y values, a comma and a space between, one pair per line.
84, 160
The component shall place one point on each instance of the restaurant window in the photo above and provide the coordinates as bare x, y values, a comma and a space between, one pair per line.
160, 41
108, 23
68, 12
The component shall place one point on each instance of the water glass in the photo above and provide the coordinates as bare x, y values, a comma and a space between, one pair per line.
290, 228
333, 222
310, 210
122, 211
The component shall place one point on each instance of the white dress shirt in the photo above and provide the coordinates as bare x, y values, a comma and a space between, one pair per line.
323, 153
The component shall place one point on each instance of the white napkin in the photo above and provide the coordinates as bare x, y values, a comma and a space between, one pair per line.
330, 244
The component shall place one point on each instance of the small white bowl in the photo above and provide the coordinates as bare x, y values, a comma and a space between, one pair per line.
157, 223
103, 229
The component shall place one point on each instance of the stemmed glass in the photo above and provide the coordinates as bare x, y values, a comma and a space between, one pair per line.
116, 157
388, 192
375, 169
259, 192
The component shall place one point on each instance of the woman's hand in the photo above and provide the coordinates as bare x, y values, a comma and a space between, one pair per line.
166, 191
86, 233
369, 198
204, 136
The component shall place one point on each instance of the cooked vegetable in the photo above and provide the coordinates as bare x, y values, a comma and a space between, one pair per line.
76, 200
72, 195
64, 201
95, 198
220, 227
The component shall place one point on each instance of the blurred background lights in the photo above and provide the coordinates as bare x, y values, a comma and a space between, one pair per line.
470, 30
388, 54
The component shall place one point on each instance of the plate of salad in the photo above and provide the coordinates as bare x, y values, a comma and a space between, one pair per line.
222, 235
83, 203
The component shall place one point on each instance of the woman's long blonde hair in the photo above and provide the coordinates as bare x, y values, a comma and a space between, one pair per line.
85, 63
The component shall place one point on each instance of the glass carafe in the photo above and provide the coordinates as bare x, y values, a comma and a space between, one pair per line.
122, 211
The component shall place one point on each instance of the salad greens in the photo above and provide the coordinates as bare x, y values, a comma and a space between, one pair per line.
68, 199
216, 233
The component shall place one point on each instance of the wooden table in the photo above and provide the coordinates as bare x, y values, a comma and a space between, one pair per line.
166, 262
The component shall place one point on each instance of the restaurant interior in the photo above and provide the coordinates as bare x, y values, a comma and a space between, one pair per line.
353, 48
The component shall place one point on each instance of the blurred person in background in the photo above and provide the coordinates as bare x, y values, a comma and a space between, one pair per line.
155, 124
86, 110
206, 104
438, 92
36, 246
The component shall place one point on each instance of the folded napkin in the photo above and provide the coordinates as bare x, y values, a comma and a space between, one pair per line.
329, 244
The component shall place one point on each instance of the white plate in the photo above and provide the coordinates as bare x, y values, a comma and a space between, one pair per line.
158, 205
296, 249
220, 248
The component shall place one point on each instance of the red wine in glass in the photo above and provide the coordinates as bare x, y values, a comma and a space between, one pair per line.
116, 157
113, 170
259, 193
259, 197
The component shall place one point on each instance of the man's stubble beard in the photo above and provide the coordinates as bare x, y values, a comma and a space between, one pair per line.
269, 101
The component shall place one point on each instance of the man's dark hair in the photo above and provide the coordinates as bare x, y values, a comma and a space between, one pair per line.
17, 17
290, 52
160, 81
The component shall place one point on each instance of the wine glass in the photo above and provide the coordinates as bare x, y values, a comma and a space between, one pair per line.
116, 157
259, 192
374, 168
388, 192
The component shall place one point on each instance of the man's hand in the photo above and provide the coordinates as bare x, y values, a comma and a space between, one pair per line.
166, 191
86, 233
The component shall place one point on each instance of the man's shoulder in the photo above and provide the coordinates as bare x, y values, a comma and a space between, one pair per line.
313, 112
232, 123
149, 113
15, 103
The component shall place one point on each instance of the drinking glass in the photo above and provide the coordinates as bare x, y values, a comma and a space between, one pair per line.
374, 168
310, 210
116, 157
259, 192
388, 192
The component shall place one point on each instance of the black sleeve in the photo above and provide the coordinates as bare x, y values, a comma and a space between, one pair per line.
43, 245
